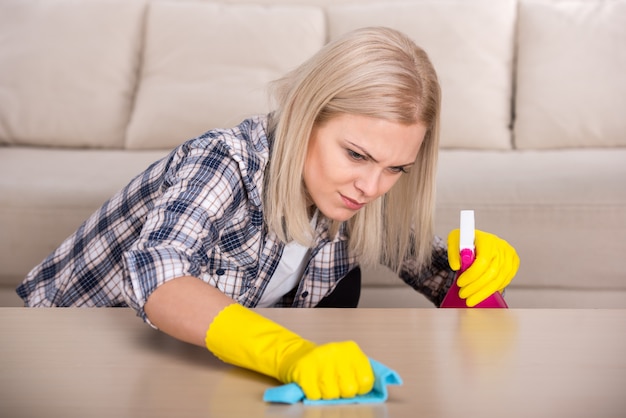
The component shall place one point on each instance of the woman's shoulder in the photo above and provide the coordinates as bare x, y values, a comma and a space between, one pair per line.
240, 153
247, 140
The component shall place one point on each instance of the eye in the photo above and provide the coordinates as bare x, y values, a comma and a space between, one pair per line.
398, 170
355, 155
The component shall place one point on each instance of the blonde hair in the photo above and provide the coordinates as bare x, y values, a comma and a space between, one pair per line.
376, 72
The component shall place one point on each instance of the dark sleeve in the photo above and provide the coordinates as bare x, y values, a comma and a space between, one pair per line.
432, 280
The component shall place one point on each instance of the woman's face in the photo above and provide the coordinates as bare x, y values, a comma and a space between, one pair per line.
352, 160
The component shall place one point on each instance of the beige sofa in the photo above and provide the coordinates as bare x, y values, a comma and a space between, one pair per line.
533, 122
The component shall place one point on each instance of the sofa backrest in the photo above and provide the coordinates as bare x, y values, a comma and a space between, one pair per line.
207, 65
68, 71
149, 74
571, 74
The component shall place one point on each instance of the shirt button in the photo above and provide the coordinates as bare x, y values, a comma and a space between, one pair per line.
305, 294
220, 272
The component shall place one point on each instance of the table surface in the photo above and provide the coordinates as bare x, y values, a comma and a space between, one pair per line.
91, 362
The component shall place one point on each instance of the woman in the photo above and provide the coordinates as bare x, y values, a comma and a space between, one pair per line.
276, 211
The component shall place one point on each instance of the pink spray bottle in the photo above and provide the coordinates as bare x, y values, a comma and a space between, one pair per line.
466, 246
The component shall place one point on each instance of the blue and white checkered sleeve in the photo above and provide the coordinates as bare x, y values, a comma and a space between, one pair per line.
200, 191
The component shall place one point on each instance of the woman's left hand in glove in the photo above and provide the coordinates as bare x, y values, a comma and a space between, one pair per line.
496, 263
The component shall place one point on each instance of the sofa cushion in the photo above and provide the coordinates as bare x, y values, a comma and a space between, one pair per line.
471, 46
68, 73
563, 210
207, 65
45, 194
571, 83
547, 205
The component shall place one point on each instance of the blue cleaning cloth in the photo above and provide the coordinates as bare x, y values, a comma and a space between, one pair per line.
383, 376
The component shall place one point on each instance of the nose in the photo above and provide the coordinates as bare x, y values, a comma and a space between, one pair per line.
369, 183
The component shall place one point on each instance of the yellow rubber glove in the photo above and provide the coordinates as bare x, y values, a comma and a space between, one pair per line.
496, 263
246, 339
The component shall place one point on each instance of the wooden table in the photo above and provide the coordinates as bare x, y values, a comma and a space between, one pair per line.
78, 362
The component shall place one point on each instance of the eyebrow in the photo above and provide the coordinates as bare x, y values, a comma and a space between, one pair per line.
369, 156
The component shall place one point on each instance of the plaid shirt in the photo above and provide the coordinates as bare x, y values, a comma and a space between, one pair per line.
196, 212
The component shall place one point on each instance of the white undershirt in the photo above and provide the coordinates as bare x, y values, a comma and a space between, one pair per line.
288, 273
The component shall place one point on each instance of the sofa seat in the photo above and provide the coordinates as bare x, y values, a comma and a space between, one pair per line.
45, 194
541, 201
556, 207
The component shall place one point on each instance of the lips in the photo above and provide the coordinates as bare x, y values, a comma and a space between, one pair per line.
351, 204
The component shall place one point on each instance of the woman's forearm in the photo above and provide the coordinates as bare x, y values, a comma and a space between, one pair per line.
185, 307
